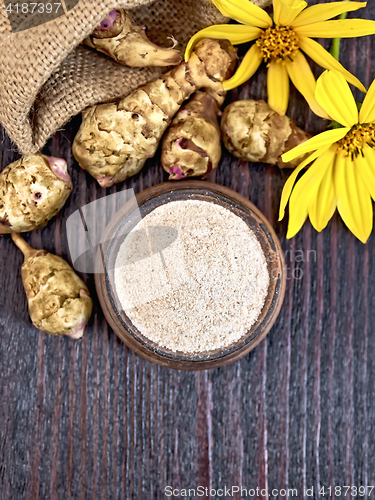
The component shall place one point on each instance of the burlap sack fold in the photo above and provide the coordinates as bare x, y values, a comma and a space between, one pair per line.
46, 77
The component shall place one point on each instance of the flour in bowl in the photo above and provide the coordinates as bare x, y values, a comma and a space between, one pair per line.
192, 276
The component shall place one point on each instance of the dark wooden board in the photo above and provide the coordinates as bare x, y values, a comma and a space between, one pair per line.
90, 419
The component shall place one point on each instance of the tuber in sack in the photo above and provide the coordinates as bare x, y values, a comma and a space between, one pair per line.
46, 76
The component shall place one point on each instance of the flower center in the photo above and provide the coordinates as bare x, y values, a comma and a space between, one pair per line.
277, 43
359, 135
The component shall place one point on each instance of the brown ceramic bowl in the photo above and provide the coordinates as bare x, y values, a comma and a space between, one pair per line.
147, 201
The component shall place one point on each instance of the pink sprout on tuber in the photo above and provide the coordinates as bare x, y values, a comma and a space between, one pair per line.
108, 22
77, 334
176, 173
106, 182
178, 142
59, 167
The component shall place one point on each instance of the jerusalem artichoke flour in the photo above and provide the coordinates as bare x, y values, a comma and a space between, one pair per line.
201, 292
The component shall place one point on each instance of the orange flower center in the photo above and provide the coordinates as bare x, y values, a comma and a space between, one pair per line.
278, 43
359, 135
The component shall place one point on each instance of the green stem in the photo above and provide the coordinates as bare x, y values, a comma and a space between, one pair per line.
335, 49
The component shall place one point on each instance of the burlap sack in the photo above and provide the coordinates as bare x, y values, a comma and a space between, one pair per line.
46, 77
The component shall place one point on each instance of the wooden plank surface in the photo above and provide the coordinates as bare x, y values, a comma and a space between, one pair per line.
90, 419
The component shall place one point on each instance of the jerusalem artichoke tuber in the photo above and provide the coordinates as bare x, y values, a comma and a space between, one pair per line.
191, 146
116, 139
59, 301
252, 131
32, 191
119, 37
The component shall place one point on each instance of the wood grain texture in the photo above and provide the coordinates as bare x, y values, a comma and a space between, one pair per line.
90, 419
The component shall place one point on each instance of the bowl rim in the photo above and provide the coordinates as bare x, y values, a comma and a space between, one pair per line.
144, 348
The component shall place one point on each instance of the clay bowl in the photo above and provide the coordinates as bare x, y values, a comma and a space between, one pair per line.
125, 220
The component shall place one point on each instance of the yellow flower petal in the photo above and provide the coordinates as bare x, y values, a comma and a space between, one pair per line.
335, 97
235, 33
326, 138
288, 186
285, 11
303, 79
322, 12
367, 111
365, 166
342, 28
297, 217
314, 50
250, 63
305, 191
353, 198
324, 205
244, 12
278, 87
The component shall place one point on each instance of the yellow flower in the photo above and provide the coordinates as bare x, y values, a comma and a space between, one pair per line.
280, 42
342, 174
